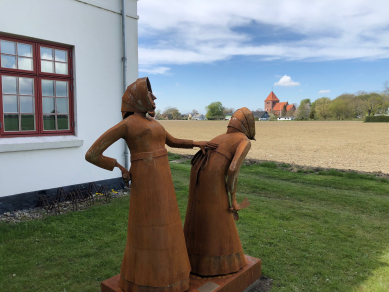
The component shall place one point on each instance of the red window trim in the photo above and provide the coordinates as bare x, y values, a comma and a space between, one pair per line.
37, 75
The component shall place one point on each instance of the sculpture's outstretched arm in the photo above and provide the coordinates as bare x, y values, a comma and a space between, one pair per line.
182, 143
178, 143
233, 173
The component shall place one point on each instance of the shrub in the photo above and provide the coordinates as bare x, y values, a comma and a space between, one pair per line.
377, 119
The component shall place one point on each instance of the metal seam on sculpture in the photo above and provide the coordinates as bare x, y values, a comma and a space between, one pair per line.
244, 115
224, 152
144, 155
237, 128
248, 124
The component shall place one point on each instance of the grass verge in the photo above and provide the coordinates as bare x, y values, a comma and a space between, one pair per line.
314, 231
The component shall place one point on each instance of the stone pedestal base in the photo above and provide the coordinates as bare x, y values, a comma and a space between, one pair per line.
236, 282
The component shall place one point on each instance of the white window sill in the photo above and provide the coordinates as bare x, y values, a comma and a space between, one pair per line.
39, 143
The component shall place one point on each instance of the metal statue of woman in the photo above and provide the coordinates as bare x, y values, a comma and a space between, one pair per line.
155, 257
211, 236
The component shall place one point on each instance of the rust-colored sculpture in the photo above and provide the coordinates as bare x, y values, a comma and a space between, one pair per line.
155, 257
211, 236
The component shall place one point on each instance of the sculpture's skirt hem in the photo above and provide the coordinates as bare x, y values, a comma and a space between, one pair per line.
128, 286
220, 265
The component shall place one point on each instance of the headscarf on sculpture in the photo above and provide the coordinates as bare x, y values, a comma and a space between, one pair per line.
243, 120
139, 98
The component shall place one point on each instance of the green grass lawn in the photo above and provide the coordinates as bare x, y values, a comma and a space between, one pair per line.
326, 231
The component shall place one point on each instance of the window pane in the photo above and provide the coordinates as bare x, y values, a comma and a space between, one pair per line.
11, 123
9, 84
27, 104
8, 61
62, 105
26, 86
48, 105
24, 50
61, 68
25, 64
49, 123
63, 122
47, 66
61, 56
47, 87
8, 47
27, 122
61, 88
46, 53
10, 103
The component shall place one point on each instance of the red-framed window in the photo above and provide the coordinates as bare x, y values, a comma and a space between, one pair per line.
36, 88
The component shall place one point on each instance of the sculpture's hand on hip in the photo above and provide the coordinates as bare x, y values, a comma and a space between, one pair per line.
126, 175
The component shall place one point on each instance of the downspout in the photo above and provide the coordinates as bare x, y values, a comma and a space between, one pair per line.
124, 59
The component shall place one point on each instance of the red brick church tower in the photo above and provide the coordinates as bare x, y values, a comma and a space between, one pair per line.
271, 101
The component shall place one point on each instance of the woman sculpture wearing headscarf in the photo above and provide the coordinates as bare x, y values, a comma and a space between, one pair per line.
211, 236
155, 257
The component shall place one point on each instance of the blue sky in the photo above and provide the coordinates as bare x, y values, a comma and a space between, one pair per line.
236, 52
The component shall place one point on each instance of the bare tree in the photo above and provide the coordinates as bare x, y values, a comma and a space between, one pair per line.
228, 110
194, 112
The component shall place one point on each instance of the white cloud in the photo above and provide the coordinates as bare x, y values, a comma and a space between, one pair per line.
324, 91
286, 81
154, 70
203, 31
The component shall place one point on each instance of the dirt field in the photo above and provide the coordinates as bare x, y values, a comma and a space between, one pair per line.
342, 145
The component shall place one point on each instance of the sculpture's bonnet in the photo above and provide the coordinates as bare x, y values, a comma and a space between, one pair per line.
137, 98
243, 120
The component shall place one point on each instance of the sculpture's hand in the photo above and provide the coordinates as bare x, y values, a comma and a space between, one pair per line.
126, 175
200, 144
204, 144
236, 206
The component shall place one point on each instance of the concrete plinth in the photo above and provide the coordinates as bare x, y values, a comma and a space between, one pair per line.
236, 282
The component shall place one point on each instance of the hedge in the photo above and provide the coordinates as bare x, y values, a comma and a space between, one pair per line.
377, 119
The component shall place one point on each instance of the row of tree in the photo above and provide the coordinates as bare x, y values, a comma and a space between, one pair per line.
215, 111
345, 106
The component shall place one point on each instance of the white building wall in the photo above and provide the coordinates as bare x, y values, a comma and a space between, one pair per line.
96, 36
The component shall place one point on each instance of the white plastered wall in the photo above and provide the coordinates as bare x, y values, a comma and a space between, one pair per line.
93, 27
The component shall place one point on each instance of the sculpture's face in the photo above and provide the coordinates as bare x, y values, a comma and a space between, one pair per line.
151, 98
139, 98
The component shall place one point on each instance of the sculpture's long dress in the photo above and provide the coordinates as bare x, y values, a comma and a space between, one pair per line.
155, 257
211, 236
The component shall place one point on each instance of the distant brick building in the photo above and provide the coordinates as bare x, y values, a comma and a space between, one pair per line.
272, 103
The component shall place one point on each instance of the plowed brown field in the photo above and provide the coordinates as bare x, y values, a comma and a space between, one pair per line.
341, 145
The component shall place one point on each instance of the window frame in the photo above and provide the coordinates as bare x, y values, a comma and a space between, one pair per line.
34, 56
37, 76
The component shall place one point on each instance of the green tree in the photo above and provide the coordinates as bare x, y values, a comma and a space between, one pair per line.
215, 111
284, 111
176, 114
341, 109
322, 108
304, 110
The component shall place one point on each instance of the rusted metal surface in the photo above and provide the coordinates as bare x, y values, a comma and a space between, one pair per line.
155, 257
212, 240
236, 282
75, 198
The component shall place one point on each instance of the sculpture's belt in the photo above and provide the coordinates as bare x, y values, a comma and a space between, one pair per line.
144, 155
200, 160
